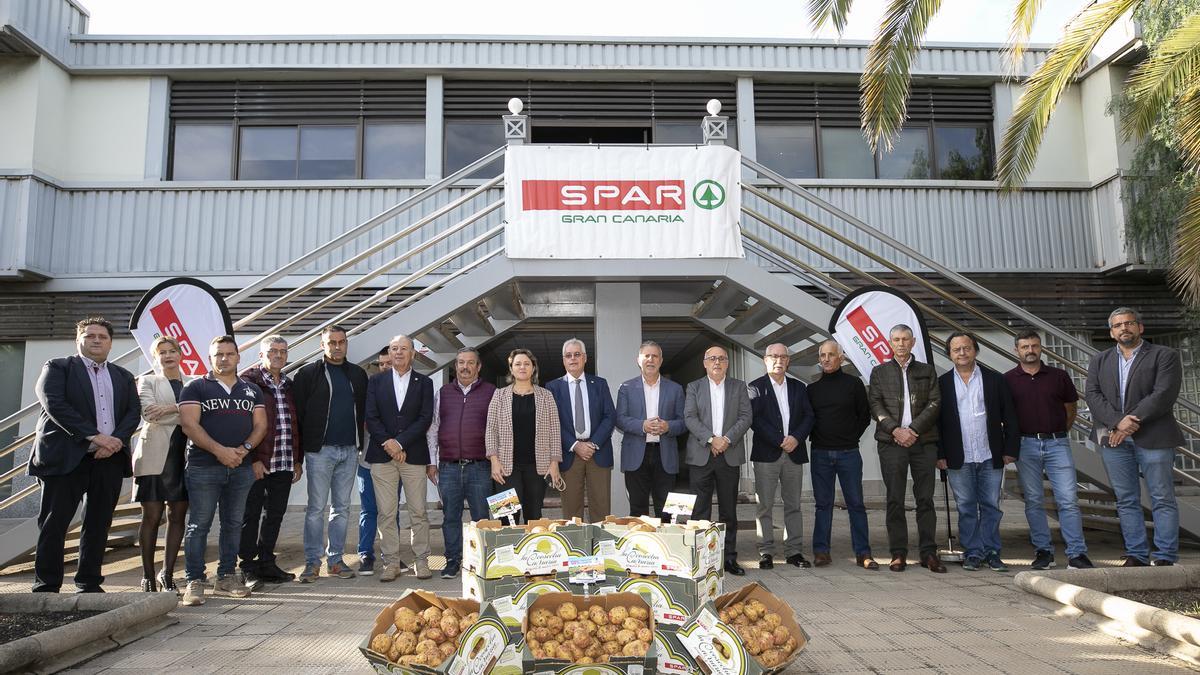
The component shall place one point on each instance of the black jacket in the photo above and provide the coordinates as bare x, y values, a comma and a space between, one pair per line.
406, 421
69, 416
1004, 436
310, 387
768, 423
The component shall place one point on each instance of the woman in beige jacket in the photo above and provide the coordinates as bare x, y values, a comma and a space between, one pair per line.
522, 436
158, 463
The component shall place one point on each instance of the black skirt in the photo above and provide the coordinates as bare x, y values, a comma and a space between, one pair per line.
167, 486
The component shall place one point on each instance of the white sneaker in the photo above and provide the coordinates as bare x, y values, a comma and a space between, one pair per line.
194, 595
233, 584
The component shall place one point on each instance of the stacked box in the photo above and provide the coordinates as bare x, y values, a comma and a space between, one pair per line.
645, 546
492, 550
621, 664
511, 596
672, 599
673, 658
715, 645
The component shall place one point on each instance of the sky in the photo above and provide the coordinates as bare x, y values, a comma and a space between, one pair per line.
958, 20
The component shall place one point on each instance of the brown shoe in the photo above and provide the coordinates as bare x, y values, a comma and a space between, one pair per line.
867, 563
932, 563
821, 559
899, 563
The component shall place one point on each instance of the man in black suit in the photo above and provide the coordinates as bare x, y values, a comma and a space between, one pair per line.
399, 412
783, 418
90, 408
979, 435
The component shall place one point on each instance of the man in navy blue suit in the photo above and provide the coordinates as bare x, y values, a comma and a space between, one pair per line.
783, 418
587, 416
399, 412
650, 415
90, 408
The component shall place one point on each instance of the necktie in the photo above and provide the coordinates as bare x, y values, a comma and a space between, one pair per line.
580, 424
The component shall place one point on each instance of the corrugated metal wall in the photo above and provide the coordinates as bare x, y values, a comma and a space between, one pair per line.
49, 23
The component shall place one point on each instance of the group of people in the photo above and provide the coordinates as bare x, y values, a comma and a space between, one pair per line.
232, 443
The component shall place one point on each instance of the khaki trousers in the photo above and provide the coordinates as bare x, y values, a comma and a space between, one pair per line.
595, 480
387, 479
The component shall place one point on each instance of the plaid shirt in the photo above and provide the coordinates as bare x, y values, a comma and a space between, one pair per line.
281, 455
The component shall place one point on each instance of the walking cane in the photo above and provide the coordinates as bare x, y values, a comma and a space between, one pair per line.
948, 554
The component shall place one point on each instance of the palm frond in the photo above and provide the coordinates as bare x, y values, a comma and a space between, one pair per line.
1185, 269
1024, 15
821, 11
1156, 82
1187, 125
886, 78
1023, 135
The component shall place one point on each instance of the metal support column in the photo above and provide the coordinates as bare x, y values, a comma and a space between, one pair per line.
618, 335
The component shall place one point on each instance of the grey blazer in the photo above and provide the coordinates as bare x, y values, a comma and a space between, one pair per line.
697, 414
1150, 394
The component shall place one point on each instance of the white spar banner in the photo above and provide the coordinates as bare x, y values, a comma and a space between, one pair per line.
188, 310
622, 202
862, 321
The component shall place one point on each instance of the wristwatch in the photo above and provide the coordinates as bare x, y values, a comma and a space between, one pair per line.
711, 439
247, 446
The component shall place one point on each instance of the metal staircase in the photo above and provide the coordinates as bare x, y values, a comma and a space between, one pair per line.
804, 255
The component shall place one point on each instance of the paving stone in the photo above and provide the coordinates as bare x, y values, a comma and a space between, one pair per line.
151, 660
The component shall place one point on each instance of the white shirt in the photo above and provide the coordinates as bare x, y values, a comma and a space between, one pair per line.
972, 417
781, 395
587, 421
400, 384
716, 397
1124, 367
906, 404
431, 436
650, 392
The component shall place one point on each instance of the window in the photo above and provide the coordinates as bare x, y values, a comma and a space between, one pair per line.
268, 153
790, 149
202, 152
394, 150
909, 157
688, 132
328, 152
467, 141
964, 152
845, 154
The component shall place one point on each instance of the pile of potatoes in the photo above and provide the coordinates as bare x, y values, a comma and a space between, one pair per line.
423, 638
592, 635
761, 631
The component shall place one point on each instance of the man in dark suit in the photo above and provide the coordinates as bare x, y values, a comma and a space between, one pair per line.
587, 416
90, 408
783, 418
399, 412
717, 413
978, 428
650, 417
1131, 390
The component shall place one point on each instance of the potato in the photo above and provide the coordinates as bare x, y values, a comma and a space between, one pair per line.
434, 634
381, 643
539, 617
405, 642
555, 623
617, 615
632, 624
449, 627
773, 620
606, 633
448, 649
452, 613
639, 613
645, 634
567, 611
405, 619
780, 636
612, 648
432, 615
598, 616
625, 636
588, 626
581, 638
635, 648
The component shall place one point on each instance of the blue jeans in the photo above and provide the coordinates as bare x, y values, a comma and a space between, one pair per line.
456, 482
209, 487
1053, 457
1123, 463
330, 472
977, 491
846, 466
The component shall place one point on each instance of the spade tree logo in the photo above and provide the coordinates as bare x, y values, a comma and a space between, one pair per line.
708, 194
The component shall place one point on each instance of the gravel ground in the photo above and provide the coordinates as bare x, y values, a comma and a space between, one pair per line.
17, 625
1183, 600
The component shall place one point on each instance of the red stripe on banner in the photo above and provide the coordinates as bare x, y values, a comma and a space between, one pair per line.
169, 324
603, 195
870, 333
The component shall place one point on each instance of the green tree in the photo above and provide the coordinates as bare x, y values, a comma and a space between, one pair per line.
1163, 93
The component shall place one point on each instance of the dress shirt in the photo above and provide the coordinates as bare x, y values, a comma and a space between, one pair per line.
1124, 365
587, 422
650, 392
716, 396
281, 454
972, 417
906, 404
781, 395
400, 385
102, 390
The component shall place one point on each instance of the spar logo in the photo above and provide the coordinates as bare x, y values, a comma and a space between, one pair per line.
870, 334
603, 195
169, 324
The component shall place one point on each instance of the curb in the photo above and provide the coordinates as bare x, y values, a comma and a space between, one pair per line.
123, 614
1092, 589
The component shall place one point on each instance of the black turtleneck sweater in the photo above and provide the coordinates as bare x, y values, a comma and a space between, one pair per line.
839, 402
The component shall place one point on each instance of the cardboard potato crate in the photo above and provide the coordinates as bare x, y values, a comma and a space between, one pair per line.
646, 546
464, 660
493, 550
716, 646
673, 599
623, 664
511, 596
673, 658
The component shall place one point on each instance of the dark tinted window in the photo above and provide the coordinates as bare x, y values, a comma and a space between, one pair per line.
394, 150
909, 157
790, 149
845, 154
467, 141
963, 153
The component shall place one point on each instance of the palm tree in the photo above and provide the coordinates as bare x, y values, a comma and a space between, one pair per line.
1165, 86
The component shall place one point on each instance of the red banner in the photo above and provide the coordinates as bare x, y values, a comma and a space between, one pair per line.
874, 338
169, 324
603, 195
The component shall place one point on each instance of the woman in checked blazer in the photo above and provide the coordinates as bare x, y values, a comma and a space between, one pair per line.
522, 436
158, 461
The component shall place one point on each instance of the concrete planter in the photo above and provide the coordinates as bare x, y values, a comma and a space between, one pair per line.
126, 617
1090, 592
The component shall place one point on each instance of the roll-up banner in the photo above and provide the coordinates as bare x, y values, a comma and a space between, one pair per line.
864, 318
639, 202
188, 310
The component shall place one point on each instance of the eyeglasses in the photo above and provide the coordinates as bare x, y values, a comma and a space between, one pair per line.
717, 359
777, 357
573, 355
1125, 324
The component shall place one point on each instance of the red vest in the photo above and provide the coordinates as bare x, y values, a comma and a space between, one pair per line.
461, 421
